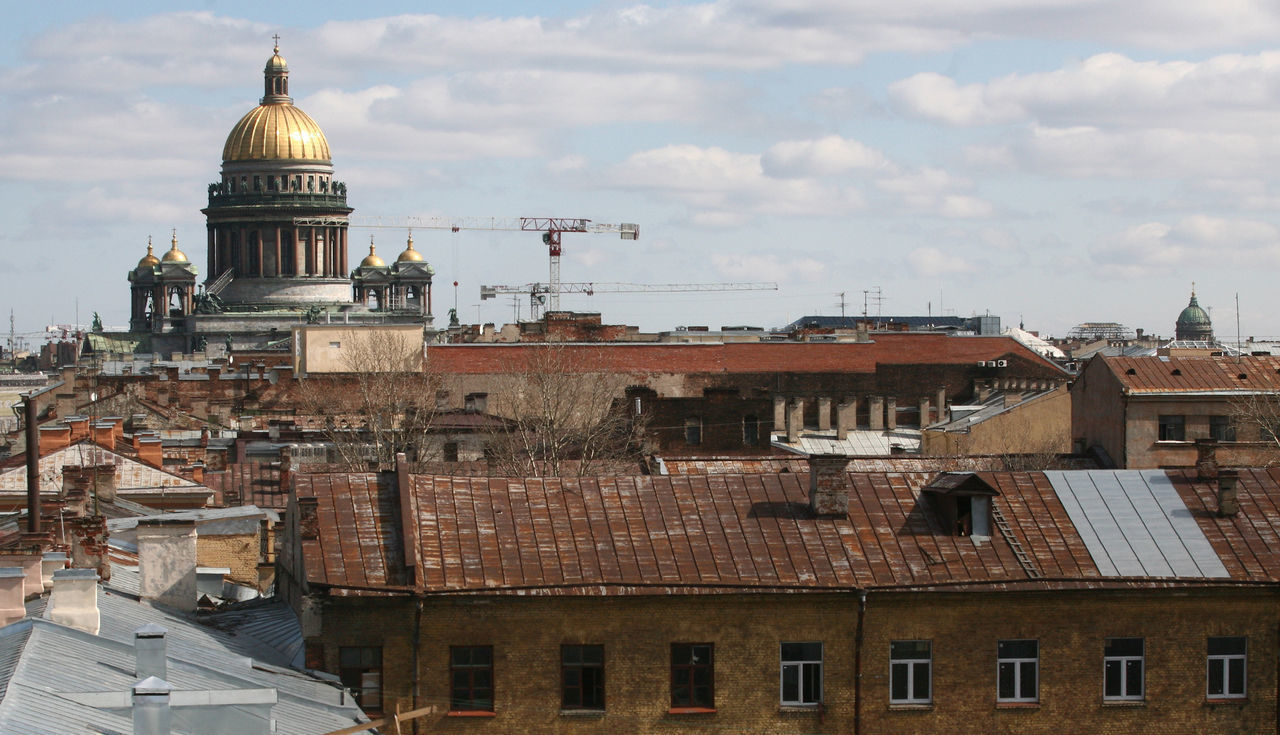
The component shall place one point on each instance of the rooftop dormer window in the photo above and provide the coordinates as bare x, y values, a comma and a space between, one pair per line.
963, 503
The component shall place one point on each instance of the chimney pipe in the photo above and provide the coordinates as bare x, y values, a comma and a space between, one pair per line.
12, 608
151, 715
33, 466
1206, 459
1228, 505
74, 600
149, 656
828, 485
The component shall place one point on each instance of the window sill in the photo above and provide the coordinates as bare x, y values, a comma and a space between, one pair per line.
582, 712
1225, 701
692, 711
799, 709
905, 707
1017, 705
1121, 703
472, 713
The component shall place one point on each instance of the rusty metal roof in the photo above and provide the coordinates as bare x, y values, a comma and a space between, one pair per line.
727, 533
1196, 374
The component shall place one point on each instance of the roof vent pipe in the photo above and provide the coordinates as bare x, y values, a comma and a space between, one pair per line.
1228, 505
151, 715
149, 657
1206, 459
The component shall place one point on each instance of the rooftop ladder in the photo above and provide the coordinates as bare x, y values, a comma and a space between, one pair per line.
1024, 559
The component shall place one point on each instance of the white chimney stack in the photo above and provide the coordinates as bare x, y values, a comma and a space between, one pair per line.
151, 714
74, 600
167, 562
51, 562
11, 608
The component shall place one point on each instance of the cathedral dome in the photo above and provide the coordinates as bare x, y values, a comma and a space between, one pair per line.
409, 255
174, 255
275, 129
1193, 322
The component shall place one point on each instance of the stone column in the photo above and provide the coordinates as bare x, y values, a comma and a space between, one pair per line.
779, 411
875, 411
824, 413
795, 418
891, 413
846, 417
924, 413
942, 402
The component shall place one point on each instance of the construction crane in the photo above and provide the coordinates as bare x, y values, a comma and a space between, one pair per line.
550, 227
540, 292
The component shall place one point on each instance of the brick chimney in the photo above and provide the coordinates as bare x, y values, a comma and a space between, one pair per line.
74, 600
88, 539
828, 484
150, 450
1228, 505
12, 608
103, 434
308, 518
53, 438
79, 427
1206, 459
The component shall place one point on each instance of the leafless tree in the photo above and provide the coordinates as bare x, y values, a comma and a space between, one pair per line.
1256, 417
382, 402
564, 417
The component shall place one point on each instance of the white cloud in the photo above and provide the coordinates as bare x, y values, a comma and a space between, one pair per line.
932, 262
766, 267
1192, 244
822, 157
936, 192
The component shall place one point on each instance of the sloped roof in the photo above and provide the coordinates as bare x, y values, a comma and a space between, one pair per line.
1196, 374
719, 533
886, 348
130, 473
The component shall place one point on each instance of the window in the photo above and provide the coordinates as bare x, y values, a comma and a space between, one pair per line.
1222, 429
693, 430
471, 678
451, 451
1017, 664
582, 677
693, 675
476, 402
335, 345
1226, 667
1122, 668
750, 430
360, 669
801, 673
910, 672
1173, 428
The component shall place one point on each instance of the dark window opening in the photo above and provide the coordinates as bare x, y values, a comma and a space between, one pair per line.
471, 678
1123, 663
1226, 667
360, 669
1173, 428
1017, 671
750, 430
693, 675
1222, 428
582, 676
451, 451
693, 430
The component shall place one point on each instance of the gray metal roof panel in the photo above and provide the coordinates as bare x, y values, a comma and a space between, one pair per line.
1134, 524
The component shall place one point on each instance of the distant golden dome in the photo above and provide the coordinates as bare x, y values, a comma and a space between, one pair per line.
174, 255
273, 132
149, 260
372, 260
276, 62
409, 255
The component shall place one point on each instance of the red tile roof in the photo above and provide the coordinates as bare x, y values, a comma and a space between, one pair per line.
1195, 374
749, 357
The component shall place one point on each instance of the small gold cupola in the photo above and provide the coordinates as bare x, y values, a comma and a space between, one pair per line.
174, 255
409, 255
276, 78
372, 260
149, 260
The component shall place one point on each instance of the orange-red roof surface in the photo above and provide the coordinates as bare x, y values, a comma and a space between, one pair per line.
1193, 374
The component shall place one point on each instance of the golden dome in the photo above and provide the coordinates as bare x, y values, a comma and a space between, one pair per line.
174, 255
409, 255
372, 260
149, 260
276, 131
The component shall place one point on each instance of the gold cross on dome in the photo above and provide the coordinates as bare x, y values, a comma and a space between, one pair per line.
276, 37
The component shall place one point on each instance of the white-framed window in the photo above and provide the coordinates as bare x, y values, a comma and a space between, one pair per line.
1017, 671
801, 678
1123, 669
910, 672
1226, 667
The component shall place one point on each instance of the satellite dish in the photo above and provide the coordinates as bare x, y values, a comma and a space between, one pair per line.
272, 377
93, 396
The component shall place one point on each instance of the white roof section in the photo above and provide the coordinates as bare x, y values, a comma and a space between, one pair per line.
1134, 524
1035, 344
865, 443
130, 473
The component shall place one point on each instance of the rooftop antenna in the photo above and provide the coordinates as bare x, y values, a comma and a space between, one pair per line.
867, 296
1239, 344
843, 303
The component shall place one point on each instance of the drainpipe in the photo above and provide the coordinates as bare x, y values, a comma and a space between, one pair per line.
33, 464
417, 637
857, 664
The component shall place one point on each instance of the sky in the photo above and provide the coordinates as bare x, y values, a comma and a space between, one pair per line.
1048, 161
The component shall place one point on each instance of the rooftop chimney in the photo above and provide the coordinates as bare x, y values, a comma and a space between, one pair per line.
151, 715
53, 438
1206, 459
11, 608
50, 562
167, 562
1227, 503
74, 600
149, 657
828, 485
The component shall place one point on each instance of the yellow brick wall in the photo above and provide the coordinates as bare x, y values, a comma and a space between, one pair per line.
239, 553
526, 635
